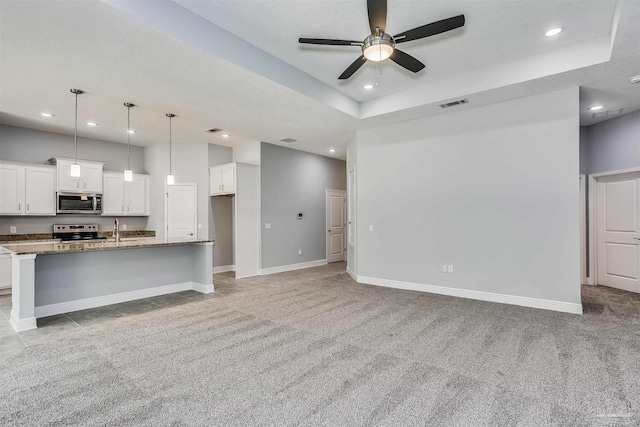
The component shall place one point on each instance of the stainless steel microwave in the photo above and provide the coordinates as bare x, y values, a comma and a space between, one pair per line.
79, 203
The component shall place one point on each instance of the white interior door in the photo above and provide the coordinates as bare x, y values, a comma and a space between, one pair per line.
181, 211
618, 228
335, 225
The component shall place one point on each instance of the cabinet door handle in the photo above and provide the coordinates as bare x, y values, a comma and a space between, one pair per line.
19, 206
128, 208
222, 187
27, 207
77, 184
85, 185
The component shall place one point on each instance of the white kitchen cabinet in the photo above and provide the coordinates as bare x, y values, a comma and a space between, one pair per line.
222, 179
5, 273
27, 189
90, 180
40, 190
11, 189
125, 198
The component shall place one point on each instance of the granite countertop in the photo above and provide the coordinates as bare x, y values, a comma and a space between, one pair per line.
106, 245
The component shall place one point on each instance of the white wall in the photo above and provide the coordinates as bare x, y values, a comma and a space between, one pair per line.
247, 152
492, 191
189, 165
352, 162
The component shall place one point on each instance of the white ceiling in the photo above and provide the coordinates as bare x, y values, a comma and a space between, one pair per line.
165, 58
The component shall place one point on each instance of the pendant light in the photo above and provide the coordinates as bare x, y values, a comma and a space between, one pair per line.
74, 170
128, 173
170, 178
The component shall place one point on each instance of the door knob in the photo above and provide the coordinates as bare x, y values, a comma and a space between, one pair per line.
636, 238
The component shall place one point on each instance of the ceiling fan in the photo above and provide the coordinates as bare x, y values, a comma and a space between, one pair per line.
379, 45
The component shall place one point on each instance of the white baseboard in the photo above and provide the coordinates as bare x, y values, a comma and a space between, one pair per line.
199, 287
291, 267
353, 275
20, 325
83, 304
565, 307
224, 269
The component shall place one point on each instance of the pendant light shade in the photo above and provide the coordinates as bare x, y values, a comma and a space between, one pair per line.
74, 170
128, 173
170, 178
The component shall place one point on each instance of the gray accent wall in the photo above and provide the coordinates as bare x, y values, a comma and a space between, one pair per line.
221, 213
611, 145
294, 181
35, 146
490, 190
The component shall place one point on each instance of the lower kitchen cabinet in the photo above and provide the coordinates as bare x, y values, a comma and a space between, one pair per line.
125, 198
5, 273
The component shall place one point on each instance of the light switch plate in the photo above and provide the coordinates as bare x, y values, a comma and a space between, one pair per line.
371, 228
450, 269
444, 268
13, 230
199, 226
267, 226
124, 226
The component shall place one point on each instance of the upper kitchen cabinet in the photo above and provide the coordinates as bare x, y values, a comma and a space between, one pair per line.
125, 198
27, 189
222, 180
90, 180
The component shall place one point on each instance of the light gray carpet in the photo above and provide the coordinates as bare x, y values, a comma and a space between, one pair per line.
303, 349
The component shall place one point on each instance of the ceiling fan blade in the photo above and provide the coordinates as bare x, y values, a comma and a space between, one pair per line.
377, 14
330, 42
431, 29
353, 68
407, 61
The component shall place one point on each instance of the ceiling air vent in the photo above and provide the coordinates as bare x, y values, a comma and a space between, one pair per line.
607, 113
213, 130
289, 140
454, 103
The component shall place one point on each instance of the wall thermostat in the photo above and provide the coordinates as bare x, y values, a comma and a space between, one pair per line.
300, 215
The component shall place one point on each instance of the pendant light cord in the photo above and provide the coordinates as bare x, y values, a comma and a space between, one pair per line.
76, 132
170, 117
128, 137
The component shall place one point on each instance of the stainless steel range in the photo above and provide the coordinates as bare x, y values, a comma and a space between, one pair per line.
74, 233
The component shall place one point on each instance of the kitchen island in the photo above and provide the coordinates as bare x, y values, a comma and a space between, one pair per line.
51, 278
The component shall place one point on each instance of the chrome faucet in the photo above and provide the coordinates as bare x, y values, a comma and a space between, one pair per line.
116, 231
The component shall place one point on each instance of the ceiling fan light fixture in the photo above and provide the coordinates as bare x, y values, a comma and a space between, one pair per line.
378, 47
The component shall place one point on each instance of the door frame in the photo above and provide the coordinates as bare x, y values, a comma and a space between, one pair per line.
592, 218
583, 231
344, 221
166, 207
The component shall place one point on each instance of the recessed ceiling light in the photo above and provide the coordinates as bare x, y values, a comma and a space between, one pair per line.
46, 114
225, 135
368, 86
92, 124
635, 79
553, 31
596, 107
332, 150
131, 131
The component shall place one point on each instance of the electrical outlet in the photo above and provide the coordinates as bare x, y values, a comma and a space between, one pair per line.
444, 268
13, 230
371, 227
300, 252
199, 226
450, 269
124, 227
267, 226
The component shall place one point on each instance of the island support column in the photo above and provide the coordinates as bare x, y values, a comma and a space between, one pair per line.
23, 292
203, 268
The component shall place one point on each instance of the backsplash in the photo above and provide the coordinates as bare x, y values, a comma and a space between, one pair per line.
47, 236
44, 224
